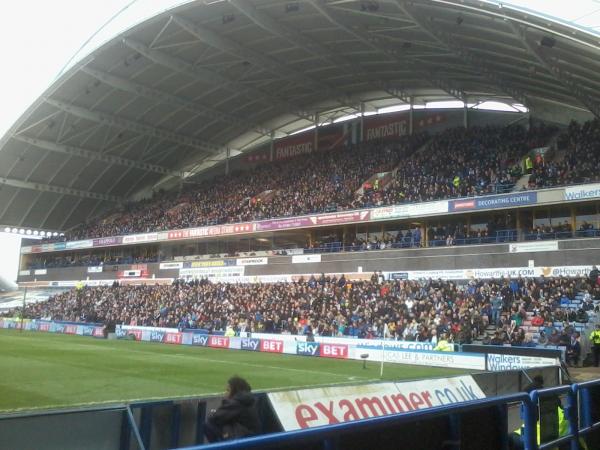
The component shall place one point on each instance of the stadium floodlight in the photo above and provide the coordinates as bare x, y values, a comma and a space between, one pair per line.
36, 232
61, 234
14, 230
21, 231
28, 232
55, 234
7, 230
42, 233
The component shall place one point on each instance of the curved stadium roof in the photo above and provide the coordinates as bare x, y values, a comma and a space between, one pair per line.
168, 97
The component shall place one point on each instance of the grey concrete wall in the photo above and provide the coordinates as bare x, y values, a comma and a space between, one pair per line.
571, 253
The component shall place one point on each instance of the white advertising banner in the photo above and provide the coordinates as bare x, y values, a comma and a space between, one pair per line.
171, 265
79, 244
390, 212
423, 209
40, 272
494, 272
500, 363
24, 273
212, 272
309, 408
301, 259
251, 261
420, 358
138, 238
538, 246
94, 269
582, 192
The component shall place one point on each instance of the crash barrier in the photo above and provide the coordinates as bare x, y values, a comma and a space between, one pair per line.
54, 326
483, 423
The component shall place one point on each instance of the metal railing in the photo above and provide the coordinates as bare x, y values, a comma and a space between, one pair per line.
580, 411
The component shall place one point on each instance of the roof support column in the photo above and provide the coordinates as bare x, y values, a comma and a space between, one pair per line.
362, 121
466, 115
271, 146
410, 116
227, 155
316, 144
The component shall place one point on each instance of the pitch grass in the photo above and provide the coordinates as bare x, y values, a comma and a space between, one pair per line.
43, 370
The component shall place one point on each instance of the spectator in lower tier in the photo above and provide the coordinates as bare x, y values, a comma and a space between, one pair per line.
237, 416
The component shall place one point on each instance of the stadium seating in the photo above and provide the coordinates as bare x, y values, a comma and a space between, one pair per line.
331, 306
457, 162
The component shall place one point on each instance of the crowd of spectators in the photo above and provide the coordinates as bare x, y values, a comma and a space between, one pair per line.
318, 182
456, 162
462, 162
338, 306
576, 161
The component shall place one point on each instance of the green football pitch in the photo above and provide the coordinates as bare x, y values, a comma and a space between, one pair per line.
43, 370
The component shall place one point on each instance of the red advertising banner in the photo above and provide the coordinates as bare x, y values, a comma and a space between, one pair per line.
271, 346
299, 144
137, 333
261, 156
98, 332
216, 230
70, 329
218, 342
331, 137
173, 338
391, 126
334, 351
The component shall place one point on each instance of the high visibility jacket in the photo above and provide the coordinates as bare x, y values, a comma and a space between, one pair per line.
456, 181
444, 346
595, 337
563, 429
528, 163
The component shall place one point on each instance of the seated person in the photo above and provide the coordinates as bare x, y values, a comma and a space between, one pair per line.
237, 416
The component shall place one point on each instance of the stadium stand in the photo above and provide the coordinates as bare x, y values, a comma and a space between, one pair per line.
185, 111
458, 162
519, 312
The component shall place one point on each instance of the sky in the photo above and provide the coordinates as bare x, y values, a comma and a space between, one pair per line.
39, 37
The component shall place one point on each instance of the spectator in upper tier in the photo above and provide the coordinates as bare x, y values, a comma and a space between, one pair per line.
456, 162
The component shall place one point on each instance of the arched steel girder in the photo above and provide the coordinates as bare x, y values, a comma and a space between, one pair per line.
262, 60
382, 48
92, 155
136, 88
214, 79
58, 189
131, 125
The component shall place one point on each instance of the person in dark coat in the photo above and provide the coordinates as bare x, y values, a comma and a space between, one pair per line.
593, 276
237, 416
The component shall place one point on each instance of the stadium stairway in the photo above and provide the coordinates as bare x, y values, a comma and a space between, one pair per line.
521, 183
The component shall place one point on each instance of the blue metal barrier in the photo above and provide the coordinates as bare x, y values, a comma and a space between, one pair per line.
582, 393
570, 412
329, 435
